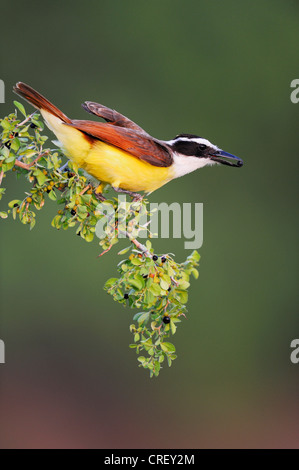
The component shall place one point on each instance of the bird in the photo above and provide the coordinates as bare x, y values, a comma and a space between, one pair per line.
120, 152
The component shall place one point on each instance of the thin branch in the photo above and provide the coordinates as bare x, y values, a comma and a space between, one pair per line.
26, 120
27, 166
85, 189
105, 251
138, 245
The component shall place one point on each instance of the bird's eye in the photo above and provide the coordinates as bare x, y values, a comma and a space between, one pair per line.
202, 146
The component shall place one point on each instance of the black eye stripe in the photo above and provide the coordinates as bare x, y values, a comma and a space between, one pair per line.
190, 148
185, 147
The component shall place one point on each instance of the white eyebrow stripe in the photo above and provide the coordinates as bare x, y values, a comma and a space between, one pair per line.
198, 140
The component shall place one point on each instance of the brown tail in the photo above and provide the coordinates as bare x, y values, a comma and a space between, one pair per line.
39, 101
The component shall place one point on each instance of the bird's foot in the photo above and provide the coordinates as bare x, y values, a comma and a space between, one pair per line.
98, 192
99, 196
135, 196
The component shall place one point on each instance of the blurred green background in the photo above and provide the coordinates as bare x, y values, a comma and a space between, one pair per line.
221, 70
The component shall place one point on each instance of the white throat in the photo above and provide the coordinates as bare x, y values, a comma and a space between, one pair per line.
183, 165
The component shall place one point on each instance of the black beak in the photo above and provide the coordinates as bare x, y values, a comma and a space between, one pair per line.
226, 158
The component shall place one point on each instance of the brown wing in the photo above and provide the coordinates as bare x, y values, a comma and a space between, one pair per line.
111, 116
137, 144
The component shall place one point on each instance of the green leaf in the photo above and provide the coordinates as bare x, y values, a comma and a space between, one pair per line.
136, 337
13, 202
3, 215
155, 289
168, 347
124, 251
195, 256
56, 222
172, 327
157, 367
20, 108
182, 296
32, 223
183, 284
195, 273
136, 261
110, 282
88, 236
41, 178
10, 159
148, 245
149, 298
15, 144
143, 318
164, 285
141, 359
135, 282
52, 195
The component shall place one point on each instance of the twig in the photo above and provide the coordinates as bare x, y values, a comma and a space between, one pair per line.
27, 166
26, 120
138, 245
85, 189
1, 176
105, 251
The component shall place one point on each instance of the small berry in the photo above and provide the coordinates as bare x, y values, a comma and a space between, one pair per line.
60, 212
33, 126
45, 172
29, 199
79, 233
16, 205
126, 296
169, 289
166, 320
155, 258
163, 259
73, 212
51, 183
49, 188
7, 145
144, 276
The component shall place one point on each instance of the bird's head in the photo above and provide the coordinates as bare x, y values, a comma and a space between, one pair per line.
206, 153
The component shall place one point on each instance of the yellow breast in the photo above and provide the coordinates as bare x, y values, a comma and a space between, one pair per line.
120, 169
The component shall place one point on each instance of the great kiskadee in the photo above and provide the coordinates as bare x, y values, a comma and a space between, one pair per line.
120, 152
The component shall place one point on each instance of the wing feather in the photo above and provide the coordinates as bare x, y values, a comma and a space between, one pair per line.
142, 146
111, 116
